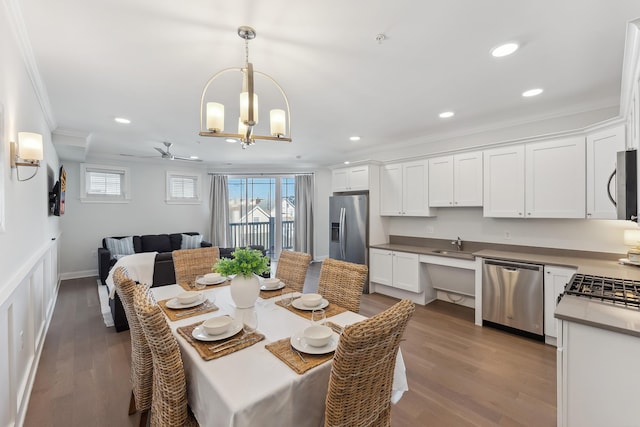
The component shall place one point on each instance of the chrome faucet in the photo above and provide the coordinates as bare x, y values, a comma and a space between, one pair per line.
458, 243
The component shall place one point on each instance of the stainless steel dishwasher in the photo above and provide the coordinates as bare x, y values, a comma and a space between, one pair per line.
513, 295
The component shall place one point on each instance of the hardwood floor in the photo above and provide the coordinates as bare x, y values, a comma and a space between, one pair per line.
459, 374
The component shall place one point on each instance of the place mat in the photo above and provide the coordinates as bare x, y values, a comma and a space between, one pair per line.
282, 350
275, 292
187, 285
210, 350
330, 310
184, 313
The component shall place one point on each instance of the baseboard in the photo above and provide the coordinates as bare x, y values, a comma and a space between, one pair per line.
78, 274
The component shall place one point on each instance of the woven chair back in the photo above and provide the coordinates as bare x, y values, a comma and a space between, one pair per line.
342, 283
189, 263
141, 360
169, 406
361, 379
292, 269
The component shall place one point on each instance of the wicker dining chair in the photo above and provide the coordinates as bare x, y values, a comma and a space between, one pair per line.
342, 283
292, 269
189, 263
169, 404
361, 379
141, 373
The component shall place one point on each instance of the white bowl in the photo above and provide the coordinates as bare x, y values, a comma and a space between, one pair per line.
317, 335
211, 277
311, 300
188, 297
271, 283
217, 325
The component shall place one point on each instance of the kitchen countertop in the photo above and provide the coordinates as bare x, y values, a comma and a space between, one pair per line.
572, 308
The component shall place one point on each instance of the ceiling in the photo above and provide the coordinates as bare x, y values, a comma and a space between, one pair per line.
148, 61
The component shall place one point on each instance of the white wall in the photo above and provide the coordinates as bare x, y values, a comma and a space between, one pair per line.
85, 224
28, 255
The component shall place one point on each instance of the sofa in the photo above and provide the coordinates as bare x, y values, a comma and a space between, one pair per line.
164, 244
163, 274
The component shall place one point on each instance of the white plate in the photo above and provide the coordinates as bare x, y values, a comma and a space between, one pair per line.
200, 334
174, 304
299, 342
280, 286
300, 306
206, 282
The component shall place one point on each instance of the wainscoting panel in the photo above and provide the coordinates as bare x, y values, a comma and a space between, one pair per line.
25, 313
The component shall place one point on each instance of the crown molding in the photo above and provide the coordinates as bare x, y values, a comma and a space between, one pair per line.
20, 31
630, 66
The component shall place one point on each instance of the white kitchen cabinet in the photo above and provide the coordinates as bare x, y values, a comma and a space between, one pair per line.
396, 269
537, 180
404, 190
554, 181
597, 376
354, 178
602, 147
555, 280
456, 180
504, 182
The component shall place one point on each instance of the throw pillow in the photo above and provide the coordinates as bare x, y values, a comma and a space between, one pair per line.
120, 247
191, 242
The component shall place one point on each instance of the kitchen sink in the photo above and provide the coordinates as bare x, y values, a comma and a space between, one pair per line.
454, 254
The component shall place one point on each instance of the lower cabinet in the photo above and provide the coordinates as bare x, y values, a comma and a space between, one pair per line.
396, 269
555, 280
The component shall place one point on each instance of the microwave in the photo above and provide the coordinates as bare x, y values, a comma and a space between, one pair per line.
626, 185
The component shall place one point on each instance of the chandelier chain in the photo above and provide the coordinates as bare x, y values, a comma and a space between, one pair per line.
246, 51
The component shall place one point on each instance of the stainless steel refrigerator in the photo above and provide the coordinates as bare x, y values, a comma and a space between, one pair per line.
349, 222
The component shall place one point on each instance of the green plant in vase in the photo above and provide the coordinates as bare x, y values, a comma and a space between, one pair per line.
245, 262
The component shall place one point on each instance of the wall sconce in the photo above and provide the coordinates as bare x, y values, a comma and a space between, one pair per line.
26, 152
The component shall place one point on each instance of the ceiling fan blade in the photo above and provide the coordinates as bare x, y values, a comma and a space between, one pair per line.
161, 151
188, 159
137, 157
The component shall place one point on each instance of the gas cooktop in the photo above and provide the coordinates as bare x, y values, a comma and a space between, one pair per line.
606, 289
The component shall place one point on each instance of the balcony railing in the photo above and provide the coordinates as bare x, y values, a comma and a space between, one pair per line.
261, 233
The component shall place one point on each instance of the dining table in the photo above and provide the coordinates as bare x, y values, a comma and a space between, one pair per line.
251, 386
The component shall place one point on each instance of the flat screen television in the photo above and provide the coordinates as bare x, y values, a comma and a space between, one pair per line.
56, 195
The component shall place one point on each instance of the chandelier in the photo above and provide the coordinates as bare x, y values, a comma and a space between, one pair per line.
213, 116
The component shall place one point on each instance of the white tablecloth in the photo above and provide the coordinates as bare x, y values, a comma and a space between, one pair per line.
252, 387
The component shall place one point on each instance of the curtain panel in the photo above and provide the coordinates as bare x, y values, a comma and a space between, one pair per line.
219, 201
303, 223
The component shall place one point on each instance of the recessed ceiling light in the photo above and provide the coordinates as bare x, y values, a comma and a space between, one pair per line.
504, 50
354, 138
231, 140
347, 162
446, 114
531, 92
122, 120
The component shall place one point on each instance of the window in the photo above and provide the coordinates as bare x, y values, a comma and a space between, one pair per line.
105, 184
183, 188
262, 211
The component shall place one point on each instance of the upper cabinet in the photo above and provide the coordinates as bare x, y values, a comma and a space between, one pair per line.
536, 180
404, 190
456, 180
554, 180
504, 182
355, 178
602, 147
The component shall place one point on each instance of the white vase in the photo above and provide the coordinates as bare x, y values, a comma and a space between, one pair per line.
245, 290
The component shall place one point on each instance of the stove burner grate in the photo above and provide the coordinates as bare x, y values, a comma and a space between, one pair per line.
617, 291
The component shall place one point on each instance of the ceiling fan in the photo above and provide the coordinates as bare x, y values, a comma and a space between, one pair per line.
167, 154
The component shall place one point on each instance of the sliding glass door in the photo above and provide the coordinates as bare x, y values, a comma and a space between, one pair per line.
262, 212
